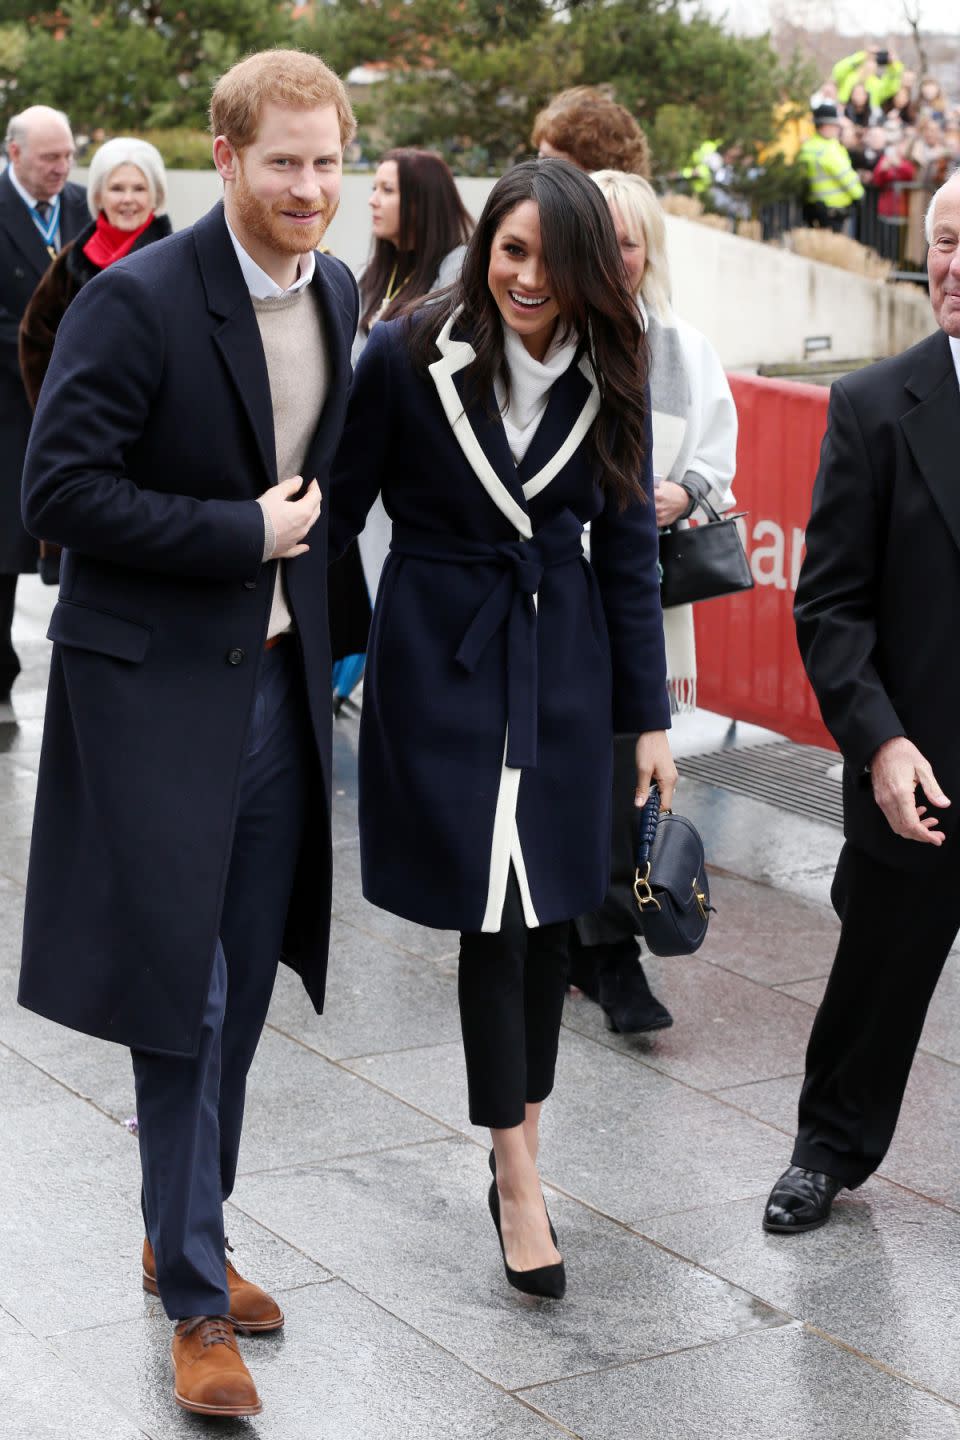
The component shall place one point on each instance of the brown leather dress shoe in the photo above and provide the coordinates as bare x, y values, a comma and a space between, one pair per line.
210, 1377
250, 1307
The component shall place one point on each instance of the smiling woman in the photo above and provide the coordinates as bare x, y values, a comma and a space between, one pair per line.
497, 420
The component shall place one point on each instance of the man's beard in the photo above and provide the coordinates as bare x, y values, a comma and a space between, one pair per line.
267, 224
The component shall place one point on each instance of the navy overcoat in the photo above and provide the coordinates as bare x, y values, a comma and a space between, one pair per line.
152, 438
500, 660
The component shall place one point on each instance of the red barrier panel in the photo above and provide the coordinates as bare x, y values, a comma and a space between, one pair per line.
747, 659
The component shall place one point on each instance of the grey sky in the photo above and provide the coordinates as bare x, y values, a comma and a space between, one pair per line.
849, 16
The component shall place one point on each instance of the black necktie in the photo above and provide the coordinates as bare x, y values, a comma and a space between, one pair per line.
43, 209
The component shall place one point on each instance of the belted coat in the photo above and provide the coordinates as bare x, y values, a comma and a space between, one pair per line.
153, 437
500, 659
23, 260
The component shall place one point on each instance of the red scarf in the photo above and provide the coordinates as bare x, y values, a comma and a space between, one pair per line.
108, 242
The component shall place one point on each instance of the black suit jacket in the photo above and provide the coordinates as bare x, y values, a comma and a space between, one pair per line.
878, 603
152, 439
23, 261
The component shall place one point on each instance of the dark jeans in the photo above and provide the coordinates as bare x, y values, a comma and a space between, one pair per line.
896, 931
511, 986
9, 661
190, 1111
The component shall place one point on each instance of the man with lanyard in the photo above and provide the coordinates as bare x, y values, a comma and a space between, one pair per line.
39, 212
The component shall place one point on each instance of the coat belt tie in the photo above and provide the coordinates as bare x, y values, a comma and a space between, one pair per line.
511, 603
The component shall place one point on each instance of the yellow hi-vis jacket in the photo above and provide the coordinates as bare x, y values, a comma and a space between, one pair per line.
831, 179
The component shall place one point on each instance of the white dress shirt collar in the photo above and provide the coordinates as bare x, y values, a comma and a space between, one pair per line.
28, 199
955, 352
259, 283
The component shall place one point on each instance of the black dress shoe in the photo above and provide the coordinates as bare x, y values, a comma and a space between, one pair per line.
800, 1200
492, 1162
627, 1000
548, 1282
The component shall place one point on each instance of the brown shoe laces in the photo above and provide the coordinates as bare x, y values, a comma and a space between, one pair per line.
212, 1329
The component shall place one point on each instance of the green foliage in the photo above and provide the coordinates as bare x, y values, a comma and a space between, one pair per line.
464, 76
181, 148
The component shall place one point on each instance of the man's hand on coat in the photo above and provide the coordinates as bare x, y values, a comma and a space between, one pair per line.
654, 762
289, 520
897, 768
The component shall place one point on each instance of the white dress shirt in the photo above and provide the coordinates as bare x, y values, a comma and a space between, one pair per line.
31, 201
955, 351
259, 282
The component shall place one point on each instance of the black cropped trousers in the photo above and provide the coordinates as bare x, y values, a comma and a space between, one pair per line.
511, 985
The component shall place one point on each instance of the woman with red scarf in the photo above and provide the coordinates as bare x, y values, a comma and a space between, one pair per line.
127, 192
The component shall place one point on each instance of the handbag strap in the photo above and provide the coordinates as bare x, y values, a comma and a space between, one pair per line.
647, 822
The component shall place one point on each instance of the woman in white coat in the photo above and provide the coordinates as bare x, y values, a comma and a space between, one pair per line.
694, 459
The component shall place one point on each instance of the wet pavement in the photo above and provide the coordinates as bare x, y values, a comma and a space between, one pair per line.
361, 1198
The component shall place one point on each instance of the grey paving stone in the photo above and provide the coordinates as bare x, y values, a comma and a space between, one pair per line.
349, 905
759, 842
340, 1370
378, 998
302, 1108
881, 1276
767, 934
925, 1154
8, 1324
727, 1030
420, 1243
43, 1398
800, 1385
620, 1136
941, 1034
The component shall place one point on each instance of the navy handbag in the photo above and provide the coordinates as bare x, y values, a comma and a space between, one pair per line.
671, 885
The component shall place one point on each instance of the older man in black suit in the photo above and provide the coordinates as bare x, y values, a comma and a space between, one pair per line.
39, 213
878, 608
181, 841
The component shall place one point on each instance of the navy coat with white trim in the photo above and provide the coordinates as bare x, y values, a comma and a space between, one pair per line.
500, 660
152, 439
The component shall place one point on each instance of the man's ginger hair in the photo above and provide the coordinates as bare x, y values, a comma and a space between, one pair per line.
289, 78
593, 131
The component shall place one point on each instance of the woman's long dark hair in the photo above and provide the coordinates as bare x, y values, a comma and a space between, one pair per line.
433, 221
588, 282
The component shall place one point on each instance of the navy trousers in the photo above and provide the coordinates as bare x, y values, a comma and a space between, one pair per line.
190, 1111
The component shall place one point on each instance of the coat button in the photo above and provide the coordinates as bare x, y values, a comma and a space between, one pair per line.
235, 657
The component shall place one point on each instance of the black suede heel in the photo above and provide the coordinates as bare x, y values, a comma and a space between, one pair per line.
549, 1282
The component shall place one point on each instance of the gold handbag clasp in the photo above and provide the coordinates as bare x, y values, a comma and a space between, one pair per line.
701, 899
641, 889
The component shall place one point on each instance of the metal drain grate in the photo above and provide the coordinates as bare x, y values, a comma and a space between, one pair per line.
802, 779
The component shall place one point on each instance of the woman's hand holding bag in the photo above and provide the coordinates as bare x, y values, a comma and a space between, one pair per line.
655, 766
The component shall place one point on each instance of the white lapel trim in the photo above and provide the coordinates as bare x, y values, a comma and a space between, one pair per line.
584, 420
456, 355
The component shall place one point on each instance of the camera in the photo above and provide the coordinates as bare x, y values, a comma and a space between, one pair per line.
883, 58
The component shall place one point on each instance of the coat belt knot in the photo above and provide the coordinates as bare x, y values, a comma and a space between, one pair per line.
511, 602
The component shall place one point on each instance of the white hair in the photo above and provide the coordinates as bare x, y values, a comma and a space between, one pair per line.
641, 212
928, 219
126, 150
18, 126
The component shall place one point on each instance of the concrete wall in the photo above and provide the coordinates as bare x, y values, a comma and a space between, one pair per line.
755, 302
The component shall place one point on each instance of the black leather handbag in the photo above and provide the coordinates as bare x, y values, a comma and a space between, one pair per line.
702, 562
671, 886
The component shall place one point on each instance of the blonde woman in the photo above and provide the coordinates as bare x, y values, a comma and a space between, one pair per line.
694, 458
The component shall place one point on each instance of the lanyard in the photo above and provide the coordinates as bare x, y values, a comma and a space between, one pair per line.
48, 228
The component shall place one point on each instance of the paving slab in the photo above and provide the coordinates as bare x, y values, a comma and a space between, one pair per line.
759, 842
800, 1385
727, 1030
649, 1146
768, 935
420, 1243
925, 1153
341, 1369
301, 1108
42, 1397
378, 998
880, 1277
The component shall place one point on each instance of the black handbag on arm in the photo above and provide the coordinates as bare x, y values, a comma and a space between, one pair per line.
671, 886
702, 562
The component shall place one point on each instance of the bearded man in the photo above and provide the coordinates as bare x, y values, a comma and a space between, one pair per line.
181, 842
